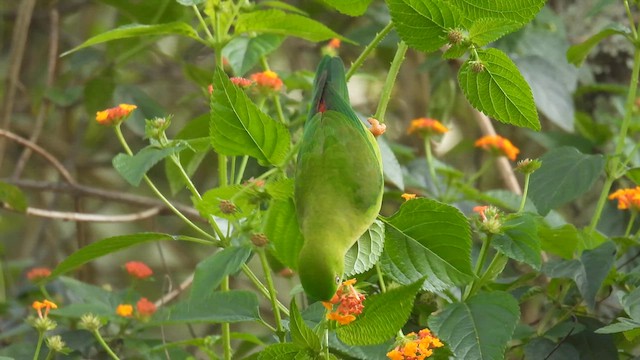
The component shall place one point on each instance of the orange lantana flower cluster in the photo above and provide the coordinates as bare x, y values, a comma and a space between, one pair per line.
407, 196
415, 347
144, 309
627, 198
426, 127
38, 273
347, 303
45, 305
138, 269
498, 145
267, 80
114, 115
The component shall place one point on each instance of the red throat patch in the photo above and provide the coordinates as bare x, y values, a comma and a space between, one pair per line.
322, 107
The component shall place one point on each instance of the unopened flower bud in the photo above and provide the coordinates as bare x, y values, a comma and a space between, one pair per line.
43, 324
227, 207
259, 240
455, 36
528, 166
90, 322
56, 344
477, 66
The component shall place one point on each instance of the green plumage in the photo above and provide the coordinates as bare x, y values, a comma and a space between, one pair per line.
339, 182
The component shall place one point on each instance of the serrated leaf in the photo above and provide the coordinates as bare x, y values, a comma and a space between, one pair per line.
137, 30
365, 253
282, 230
133, 168
578, 53
12, 196
390, 165
243, 197
499, 90
286, 351
278, 22
521, 11
301, 334
239, 127
478, 328
428, 239
565, 174
349, 7
519, 240
244, 52
104, 247
622, 325
383, 315
423, 25
211, 271
487, 30
218, 307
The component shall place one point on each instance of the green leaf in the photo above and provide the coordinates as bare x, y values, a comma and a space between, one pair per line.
190, 2
244, 52
521, 11
301, 334
349, 7
519, 240
545, 349
631, 304
565, 174
285, 351
239, 127
137, 30
13, 197
423, 25
578, 53
282, 230
487, 30
478, 328
133, 168
218, 307
633, 175
281, 23
428, 239
562, 241
384, 314
104, 247
390, 165
365, 253
243, 197
211, 271
499, 90
622, 325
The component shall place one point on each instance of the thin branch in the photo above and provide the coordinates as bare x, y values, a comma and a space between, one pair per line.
175, 292
84, 217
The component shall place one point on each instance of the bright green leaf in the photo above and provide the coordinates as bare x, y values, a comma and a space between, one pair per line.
242, 197
301, 334
211, 271
565, 174
217, 307
133, 168
384, 314
562, 241
365, 253
239, 127
104, 247
282, 230
244, 52
137, 30
190, 2
428, 239
283, 351
423, 25
478, 328
498, 89
349, 7
578, 53
13, 197
519, 240
521, 11
633, 175
281, 23
486, 30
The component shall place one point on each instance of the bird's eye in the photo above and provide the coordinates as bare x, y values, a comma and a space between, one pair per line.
338, 280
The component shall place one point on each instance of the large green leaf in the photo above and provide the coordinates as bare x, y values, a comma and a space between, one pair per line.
384, 314
104, 247
544, 349
390, 165
278, 22
565, 174
424, 25
211, 271
217, 307
133, 168
282, 230
519, 240
478, 328
244, 52
239, 127
349, 7
365, 253
137, 30
521, 11
498, 89
301, 334
577, 53
11, 195
428, 239
561, 241
487, 30
282, 351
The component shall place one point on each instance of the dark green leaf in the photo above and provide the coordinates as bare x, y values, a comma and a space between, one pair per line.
244, 52
390, 166
565, 174
133, 168
211, 271
633, 175
498, 89
350, 7
13, 197
286, 351
217, 307
301, 334
486, 30
631, 304
519, 240
577, 53
384, 314
478, 328
239, 127
521, 11
283, 232
428, 239
364, 254
281, 23
104, 247
545, 349
590, 345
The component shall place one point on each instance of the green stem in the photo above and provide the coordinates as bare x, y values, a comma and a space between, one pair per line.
487, 164
232, 175
368, 49
630, 225
202, 22
106, 347
383, 286
632, 24
222, 170
44, 292
524, 192
390, 81
276, 100
272, 293
430, 163
3, 290
39, 345
254, 279
326, 343
482, 256
49, 355
243, 166
226, 329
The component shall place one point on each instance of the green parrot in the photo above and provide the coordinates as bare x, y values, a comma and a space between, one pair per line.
338, 182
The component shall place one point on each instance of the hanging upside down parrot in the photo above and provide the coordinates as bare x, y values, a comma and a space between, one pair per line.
338, 182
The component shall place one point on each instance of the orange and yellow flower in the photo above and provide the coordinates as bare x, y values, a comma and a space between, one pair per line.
45, 305
407, 196
345, 304
334, 43
415, 347
145, 307
114, 115
138, 269
628, 199
426, 127
124, 310
267, 80
498, 145
38, 273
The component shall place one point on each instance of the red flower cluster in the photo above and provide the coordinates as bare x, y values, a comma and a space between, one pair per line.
138, 269
145, 307
267, 80
38, 273
348, 301
415, 347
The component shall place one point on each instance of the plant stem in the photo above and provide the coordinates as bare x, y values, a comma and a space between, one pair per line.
49, 355
202, 22
232, 175
368, 49
632, 24
106, 347
524, 192
326, 343
482, 256
39, 345
272, 293
390, 81
276, 100
254, 279
630, 225
226, 329
243, 166
487, 164
430, 163
383, 286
